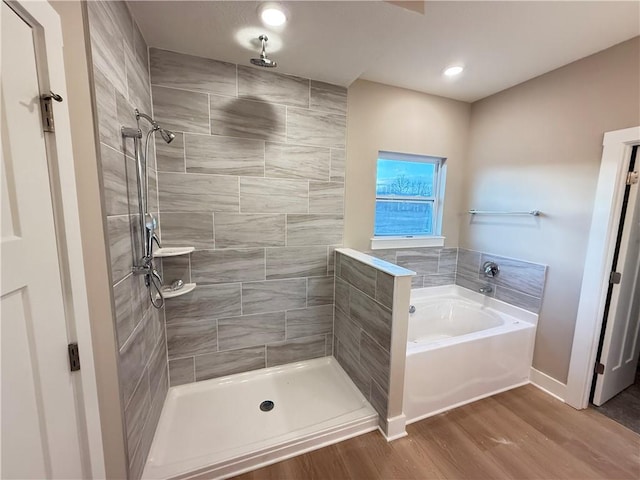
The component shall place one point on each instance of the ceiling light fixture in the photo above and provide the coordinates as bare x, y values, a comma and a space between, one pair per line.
453, 71
273, 16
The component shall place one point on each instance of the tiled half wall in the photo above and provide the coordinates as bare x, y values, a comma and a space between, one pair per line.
371, 311
255, 182
519, 283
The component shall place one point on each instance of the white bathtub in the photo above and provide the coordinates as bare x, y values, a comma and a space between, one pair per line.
463, 346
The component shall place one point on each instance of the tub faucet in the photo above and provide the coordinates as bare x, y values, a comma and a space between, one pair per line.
486, 289
412, 309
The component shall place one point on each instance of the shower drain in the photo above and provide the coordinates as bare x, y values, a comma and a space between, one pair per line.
267, 406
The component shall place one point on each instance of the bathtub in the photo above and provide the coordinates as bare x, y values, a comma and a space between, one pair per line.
463, 346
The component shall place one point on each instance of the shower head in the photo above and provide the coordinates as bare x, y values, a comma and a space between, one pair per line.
167, 135
263, 61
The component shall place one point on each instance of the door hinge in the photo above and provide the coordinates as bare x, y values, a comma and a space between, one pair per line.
599, 368
632, 178
615, 278
74, 357
47, 110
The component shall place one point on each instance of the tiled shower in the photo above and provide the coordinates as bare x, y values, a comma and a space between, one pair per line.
254, 181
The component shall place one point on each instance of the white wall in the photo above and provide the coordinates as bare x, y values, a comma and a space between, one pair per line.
381, 117
538, 146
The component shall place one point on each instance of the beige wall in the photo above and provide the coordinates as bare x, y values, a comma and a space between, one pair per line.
381, 117
538, 145
93, 238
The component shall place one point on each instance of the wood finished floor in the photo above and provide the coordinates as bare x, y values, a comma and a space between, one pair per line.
520, 434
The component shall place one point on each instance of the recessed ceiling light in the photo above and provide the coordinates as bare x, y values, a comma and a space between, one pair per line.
453, 71
273, 16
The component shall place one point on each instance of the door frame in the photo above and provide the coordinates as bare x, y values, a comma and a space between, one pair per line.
46, 24
605, 221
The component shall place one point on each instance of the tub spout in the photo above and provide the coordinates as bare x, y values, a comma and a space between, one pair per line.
486, 289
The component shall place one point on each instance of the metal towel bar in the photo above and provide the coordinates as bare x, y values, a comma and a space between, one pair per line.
534, 213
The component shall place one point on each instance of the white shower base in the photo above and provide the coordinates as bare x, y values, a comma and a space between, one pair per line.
216, 429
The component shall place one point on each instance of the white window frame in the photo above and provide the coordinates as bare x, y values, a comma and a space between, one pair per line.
409, 241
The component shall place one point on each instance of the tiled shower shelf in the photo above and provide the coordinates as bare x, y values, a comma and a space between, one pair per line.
187, 287
172, 251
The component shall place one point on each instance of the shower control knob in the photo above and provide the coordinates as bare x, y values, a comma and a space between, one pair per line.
491, 269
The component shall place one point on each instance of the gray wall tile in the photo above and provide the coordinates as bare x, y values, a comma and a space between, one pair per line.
326, 197
297, 161
379, 399
308, 127
439, 280
328, 97
295, 350
192, 73
472, 283
227, 266
384, 288
272, 87
107, 54
422, 261
185, 339
124, 309
181, 371
273, 295
250, 330
157, 364
310, 321
268, 195
314, 229
348, 332
468, 263
357, 274
224, 155
524, 277
105, 94
131, 363
138, 88
192, 192
136, 413
221, 364
187, 229
342, 294
351, 364
319, 291
249, 230
448, 261
176, 268
118, 180
170, 156
181, 110
417, 281
374, 318
518, 299
375, 360
206, 302
120, 250
234, 117
338, 161
290, 262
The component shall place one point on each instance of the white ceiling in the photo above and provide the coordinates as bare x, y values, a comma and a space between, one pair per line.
501, 44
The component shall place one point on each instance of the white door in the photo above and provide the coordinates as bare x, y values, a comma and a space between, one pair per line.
39, 422
621, 346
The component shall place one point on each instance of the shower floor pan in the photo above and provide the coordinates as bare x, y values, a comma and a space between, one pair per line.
217, 429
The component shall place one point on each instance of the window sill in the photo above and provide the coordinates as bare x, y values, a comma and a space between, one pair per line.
379, 243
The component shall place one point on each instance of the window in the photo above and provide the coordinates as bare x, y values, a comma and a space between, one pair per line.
409, 192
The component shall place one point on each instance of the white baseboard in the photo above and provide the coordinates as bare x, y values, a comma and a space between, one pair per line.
548, 384
396, 428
